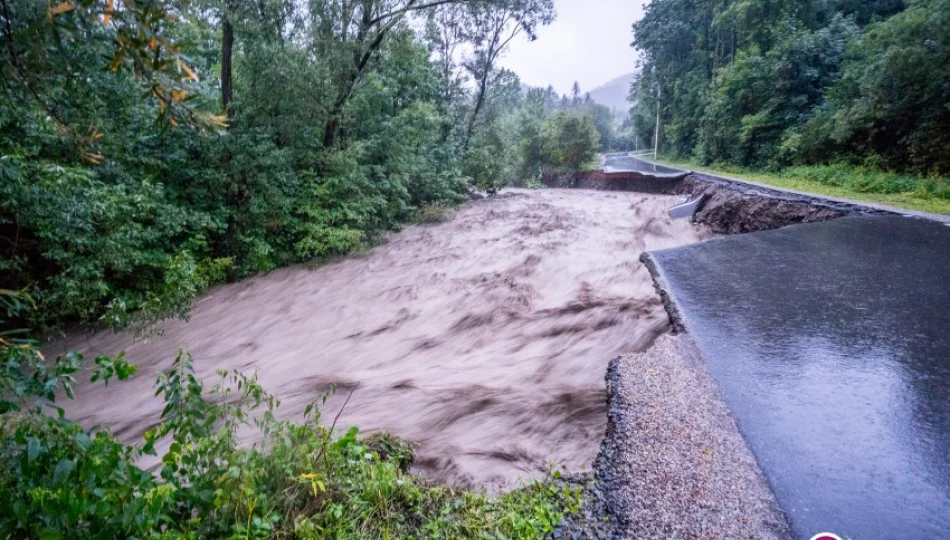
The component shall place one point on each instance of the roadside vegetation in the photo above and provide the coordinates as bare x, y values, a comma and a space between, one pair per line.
902, 190
846, 96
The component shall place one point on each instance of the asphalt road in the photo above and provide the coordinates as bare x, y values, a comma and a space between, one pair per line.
831, 344
625, 163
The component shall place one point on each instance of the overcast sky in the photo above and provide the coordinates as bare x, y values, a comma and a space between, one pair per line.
589, 42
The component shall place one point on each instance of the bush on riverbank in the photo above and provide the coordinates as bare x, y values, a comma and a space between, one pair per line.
59, 480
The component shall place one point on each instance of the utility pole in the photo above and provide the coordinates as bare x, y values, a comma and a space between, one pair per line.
656, 137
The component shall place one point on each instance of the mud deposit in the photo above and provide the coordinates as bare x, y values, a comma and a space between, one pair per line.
483, 340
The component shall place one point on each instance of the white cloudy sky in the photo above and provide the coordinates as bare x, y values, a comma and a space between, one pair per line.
589, 42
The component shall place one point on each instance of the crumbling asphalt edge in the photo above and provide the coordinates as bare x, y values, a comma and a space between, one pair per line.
676, 318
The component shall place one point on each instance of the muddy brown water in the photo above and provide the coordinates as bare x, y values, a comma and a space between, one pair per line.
483, 340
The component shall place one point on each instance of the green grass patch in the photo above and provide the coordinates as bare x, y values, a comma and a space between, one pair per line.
924, 194
591, 165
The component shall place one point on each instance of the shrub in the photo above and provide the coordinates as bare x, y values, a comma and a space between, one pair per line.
569, 140
433, 213
117, 253
870, 180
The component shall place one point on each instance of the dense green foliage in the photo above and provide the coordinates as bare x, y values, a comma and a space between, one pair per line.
58, 480
773, 83
149, 149
557, 134
569, 140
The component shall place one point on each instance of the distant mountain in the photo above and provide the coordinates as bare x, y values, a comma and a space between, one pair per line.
614, 94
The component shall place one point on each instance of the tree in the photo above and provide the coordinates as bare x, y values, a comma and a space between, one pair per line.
576, 95
112, 217
569, 140
530, 122
603, 120
359, 28
757, 82
130, 37
491, 29
892, 98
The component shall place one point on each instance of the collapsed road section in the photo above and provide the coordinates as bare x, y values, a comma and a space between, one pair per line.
827, 339
728, 206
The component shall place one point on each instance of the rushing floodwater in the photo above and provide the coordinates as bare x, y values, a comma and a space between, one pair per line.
483, 340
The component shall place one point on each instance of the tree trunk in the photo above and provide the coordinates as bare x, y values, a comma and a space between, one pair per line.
479, 103
232, 196
329, 134
227, 52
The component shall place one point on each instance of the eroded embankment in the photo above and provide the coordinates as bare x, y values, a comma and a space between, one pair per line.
483, 340
734, 207
614, 181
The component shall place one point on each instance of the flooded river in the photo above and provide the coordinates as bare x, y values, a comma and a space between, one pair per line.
483, 340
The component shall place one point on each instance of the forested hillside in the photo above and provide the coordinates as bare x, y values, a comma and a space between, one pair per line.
613, 94
150, 149
777, 82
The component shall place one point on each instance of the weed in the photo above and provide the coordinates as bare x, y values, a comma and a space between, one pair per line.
434, 213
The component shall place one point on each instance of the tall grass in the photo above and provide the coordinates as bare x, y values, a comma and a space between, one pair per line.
868, 180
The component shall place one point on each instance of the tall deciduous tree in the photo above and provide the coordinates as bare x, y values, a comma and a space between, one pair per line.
492, 28
569, 140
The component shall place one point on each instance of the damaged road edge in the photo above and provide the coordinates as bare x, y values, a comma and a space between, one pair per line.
676, 318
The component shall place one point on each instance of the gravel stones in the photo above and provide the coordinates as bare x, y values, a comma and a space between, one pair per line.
673, 464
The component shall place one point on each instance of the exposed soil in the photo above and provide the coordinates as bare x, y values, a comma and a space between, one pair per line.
613, 181
730, 207
735, 208
483, 340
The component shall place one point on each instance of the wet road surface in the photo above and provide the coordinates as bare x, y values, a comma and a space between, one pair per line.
623, 162
831, 344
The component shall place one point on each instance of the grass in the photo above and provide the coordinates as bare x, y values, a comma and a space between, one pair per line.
924, 194
434, 213
591, 165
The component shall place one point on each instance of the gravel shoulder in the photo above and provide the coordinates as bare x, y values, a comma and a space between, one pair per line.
673, 464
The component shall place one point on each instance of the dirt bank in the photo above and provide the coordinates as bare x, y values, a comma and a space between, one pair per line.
734, 207
483, 340
613, 181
